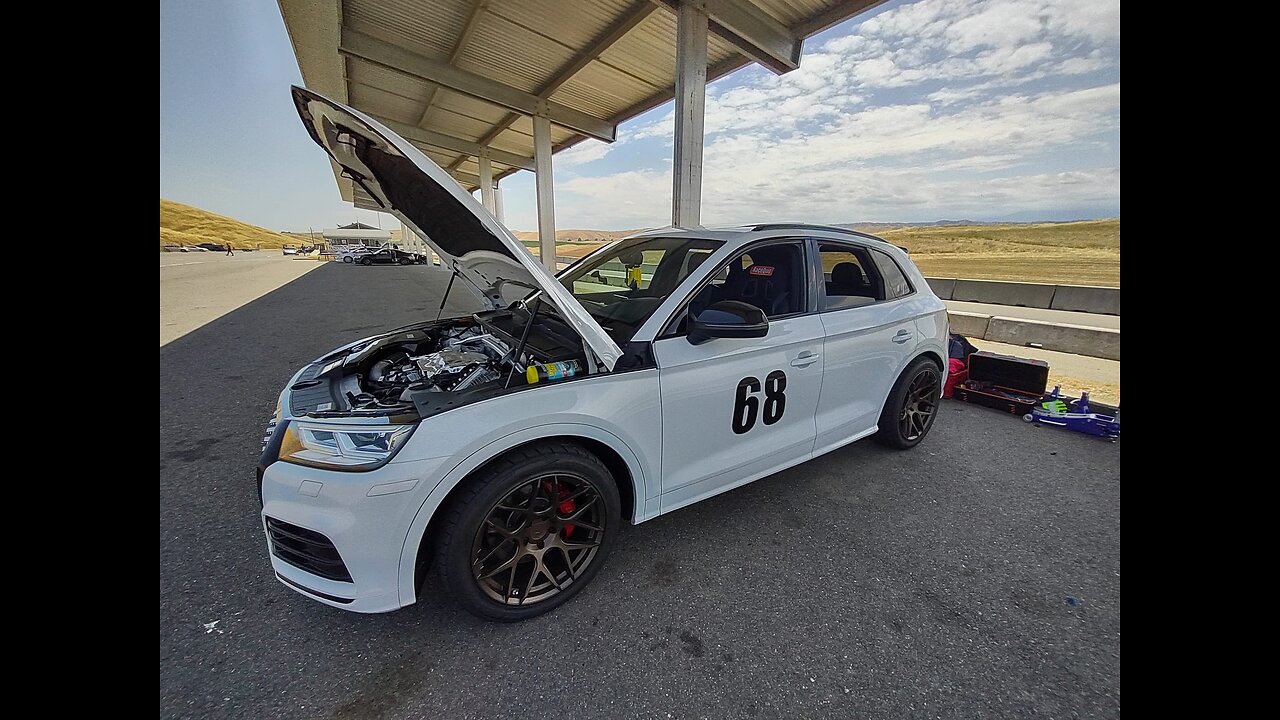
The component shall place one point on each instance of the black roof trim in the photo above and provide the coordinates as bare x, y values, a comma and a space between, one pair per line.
810, 226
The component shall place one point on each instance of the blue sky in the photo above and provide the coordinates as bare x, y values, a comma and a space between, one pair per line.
935, 109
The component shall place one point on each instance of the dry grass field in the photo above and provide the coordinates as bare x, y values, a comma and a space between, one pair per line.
185, 225
1080, 253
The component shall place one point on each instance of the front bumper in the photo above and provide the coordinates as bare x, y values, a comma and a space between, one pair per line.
365, 515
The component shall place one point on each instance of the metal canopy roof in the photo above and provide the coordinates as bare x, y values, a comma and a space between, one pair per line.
459, 78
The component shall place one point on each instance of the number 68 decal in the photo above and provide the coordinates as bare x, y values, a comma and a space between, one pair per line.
746, 406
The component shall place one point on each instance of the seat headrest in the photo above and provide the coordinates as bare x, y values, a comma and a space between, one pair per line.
847, 273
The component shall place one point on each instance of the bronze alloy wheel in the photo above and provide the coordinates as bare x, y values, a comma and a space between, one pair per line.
912, 405
538, 539
920, 404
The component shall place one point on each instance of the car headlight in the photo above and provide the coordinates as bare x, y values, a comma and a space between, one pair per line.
341, 447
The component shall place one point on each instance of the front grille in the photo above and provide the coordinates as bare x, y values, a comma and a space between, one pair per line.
307, 550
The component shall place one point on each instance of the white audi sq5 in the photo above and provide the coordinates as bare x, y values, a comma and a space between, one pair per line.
506, 448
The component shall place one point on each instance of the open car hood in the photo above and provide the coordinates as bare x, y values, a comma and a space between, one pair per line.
404, 181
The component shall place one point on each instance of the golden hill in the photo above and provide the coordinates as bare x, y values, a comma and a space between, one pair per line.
1084, 253
185, 225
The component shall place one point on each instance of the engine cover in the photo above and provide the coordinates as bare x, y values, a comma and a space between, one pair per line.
448, 362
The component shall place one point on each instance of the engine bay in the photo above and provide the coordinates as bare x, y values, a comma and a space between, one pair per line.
464, 359
415, 369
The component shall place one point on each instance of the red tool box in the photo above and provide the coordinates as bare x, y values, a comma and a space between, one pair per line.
956, 374
1004, 382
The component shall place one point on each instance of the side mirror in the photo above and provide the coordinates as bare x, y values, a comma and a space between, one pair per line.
728, 319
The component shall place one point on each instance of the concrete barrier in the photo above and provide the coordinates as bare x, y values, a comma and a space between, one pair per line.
972, 325
1078, 339
998, 292
1077, 298
1075, 339
1082, 298
942, 287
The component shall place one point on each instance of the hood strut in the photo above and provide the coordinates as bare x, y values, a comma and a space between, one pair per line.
452, 276
524, 338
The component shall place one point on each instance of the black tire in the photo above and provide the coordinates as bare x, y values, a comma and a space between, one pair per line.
348, 259
405, 261
467, 523
366, 261
912, 406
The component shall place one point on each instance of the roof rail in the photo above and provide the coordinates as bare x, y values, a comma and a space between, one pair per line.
828, 228
805, 226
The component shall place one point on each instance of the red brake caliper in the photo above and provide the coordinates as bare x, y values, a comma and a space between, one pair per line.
566, 506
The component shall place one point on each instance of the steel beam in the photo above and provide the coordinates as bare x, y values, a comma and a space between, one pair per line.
753, 31
465, 178
719, 70
602, 42
469, 29
546, 192
449, 142
407, 62
691, 90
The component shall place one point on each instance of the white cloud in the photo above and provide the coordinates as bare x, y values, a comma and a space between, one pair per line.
636, 198
995, 24
938, 108
587, 151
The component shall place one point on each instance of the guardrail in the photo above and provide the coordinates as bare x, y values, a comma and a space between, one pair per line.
1077, 298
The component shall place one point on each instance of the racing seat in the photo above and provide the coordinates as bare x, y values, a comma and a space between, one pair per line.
768, 284
847, 280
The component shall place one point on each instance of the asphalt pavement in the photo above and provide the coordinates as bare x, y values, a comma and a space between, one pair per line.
196, 287
975, 576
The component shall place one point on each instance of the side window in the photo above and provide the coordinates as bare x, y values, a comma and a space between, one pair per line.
852, 278
692, 261
630, 270
896, 284
771, 277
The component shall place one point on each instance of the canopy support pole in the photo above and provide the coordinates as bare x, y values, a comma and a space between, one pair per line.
546, 192
691, 91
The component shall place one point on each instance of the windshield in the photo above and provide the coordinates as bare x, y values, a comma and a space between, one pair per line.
622, 286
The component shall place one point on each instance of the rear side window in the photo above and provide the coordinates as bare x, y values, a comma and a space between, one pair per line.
896, 284
850, 275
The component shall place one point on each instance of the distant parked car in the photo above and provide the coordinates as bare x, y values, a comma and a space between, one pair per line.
209, 247
352, 253
290, 250
390, 256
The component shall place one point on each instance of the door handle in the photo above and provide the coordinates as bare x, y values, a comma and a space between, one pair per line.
805, 359
902, 336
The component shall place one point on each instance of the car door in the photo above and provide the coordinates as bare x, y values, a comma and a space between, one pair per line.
869, 321
735, 409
